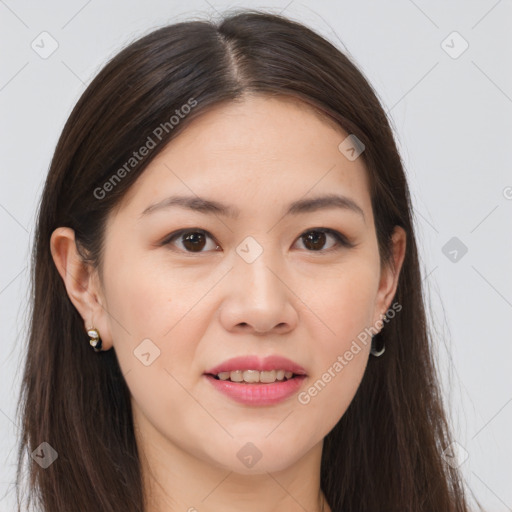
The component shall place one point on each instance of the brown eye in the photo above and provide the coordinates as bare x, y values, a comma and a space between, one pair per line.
192, 240
315, 239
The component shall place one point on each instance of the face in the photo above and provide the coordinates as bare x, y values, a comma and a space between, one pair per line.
188, 289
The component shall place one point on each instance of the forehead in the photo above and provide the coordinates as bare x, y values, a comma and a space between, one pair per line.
254, 153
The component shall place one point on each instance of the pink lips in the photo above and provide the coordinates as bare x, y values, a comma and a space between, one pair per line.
257, 393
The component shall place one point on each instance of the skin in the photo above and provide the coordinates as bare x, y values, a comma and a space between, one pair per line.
200, 309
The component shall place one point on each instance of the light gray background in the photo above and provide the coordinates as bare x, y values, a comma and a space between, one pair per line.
452, 119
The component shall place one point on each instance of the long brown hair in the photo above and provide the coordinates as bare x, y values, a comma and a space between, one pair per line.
385, 453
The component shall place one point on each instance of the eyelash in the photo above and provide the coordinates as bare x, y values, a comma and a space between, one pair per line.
342, 241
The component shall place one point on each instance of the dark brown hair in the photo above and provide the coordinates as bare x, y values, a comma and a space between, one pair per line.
385, 453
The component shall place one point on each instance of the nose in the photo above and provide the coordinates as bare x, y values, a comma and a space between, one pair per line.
257, 299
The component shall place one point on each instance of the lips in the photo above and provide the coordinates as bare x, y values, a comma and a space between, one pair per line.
256, 393
256, 363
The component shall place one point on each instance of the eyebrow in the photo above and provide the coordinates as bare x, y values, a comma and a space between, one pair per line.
300, 206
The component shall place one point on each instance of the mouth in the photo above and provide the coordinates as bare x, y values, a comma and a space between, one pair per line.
255, 381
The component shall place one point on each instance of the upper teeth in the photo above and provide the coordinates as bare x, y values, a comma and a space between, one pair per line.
255, 375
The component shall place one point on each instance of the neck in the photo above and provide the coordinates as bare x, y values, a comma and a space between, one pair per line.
176, 480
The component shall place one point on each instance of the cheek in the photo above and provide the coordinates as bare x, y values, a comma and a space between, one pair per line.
345, 307
345, 303
153, 320
144, 298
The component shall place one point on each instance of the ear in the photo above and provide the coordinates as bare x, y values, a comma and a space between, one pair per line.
390, 272
82, 283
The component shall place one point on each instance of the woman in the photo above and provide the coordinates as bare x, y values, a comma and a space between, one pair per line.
227, 221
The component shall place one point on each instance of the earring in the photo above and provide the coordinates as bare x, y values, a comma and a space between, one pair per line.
95, 340
377, 351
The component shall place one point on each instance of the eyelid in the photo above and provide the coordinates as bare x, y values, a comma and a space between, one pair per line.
342, 240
